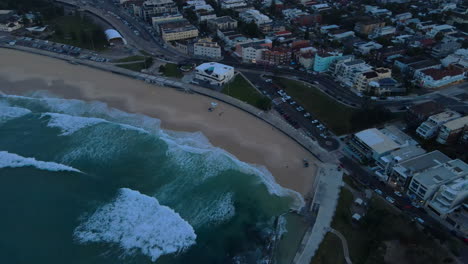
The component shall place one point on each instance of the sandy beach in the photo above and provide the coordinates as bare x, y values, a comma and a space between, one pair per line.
248, 138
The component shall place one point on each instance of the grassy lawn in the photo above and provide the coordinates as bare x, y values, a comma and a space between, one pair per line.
241, 89
366, 239
138, 66
77, 31
171, 70
131, 58
335, 115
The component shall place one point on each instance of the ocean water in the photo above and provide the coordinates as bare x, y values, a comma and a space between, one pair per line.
84, 183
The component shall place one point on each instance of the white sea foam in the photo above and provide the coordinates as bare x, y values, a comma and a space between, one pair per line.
10, 112
214, 211
137, 222
11, 160
70, 124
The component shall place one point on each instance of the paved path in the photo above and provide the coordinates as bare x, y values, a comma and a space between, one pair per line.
344, 243
326, 199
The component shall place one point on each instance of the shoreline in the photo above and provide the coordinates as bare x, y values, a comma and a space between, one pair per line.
228, 128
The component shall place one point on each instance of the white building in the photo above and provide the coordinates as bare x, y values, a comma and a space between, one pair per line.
365, 48
207, 49
230, 4
255, 16
449, 197
327, 28
383, 31
426, 183
214, 73
341, 35
429, 128
347, 72
450, 131
293, 13
445, 29
459, 57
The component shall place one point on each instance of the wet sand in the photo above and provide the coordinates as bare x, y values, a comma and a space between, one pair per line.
248, 138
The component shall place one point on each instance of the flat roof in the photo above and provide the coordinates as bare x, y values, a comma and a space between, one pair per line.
376, 140
437, 175
457, 123
445, 116
425, 161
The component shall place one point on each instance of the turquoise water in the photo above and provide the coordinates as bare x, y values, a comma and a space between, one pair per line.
83, 183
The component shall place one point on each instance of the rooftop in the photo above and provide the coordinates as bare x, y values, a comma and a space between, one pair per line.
376, 140
438, 175
457, 123
426, 108
223, 19
444, 116
214, 68
439, 74
425, 161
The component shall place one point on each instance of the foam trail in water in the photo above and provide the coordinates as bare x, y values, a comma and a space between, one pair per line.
70, 124
9, 112
11, 160
137, 222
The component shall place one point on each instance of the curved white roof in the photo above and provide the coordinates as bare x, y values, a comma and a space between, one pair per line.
112, 34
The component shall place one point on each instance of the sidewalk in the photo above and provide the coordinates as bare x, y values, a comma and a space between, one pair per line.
326, 199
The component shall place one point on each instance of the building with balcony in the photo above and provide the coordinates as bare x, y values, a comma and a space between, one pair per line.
363, 79
177, 30
348, 72
449, 197
385, 86
207, 49
251, 52
419, 113
222, 23
382, 32
452, 130
403, 171
323, 60
152, 8
425, 184
232, 4
214, 73
276, 56
255, 16
430, 127
370, 144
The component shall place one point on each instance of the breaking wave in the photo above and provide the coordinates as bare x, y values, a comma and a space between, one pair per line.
11, 160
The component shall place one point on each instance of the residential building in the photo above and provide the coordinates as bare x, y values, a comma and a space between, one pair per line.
340, 34
449, 197
320, 7
323, 60
222, 23
416, 69
328, 28
457, 220
177, 30
152, 8
293, 13
306, 57
207, 49
419, 113
385, 86
370, 144
430, 127
276, 56
451, 131
459, 57
232, 38
388, 53
402, 172
382, 32
255, 16
402, 17
444, 29
377, 11
436, 78
368, 26
347, 72
388, 162
444, 49
232, 4
366, 48
9, 21
165, 18
214, 73
425, 184
363, 79
251, 52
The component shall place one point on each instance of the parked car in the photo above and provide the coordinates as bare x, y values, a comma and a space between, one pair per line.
292, 102
420, 220
390, 199
399, 194
323, 135
314, 121
300, 108
306, 114
377, 191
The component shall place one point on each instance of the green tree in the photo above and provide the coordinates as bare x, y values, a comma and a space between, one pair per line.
307, 34
273, 7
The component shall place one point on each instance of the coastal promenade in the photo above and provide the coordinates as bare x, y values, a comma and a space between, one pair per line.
306, 142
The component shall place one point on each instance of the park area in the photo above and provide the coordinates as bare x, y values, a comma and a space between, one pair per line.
78, 31
241, 89
383, 235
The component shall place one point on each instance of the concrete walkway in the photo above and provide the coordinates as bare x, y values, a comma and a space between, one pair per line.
344, 243
325, 199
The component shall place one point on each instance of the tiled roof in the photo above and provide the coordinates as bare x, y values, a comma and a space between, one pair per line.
438, 74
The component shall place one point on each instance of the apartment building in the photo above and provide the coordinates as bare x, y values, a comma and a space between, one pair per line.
363, 79
222, 23
276, 56
451, 131
152, 8
251, 52
436, 78
385, 86
347, 72
177, 30
449, 197
165, 18
382, 32
255, 16
430, 127
402, 172
368, 26
323, 60
207, 49
419, 113
366, 48
425, 184
444, 49
232, 4
216, 74
370, 144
